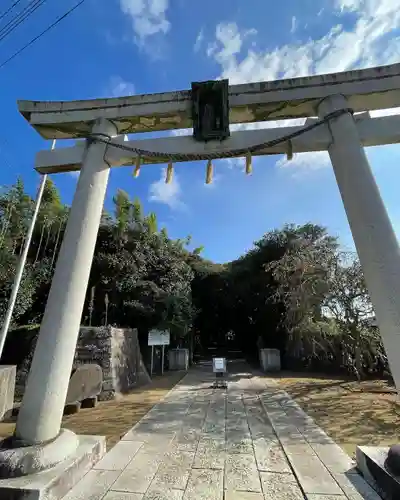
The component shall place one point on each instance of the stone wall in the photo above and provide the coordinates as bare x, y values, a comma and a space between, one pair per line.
7, 388
116, 350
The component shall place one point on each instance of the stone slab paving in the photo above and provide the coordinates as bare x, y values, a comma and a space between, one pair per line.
250, 441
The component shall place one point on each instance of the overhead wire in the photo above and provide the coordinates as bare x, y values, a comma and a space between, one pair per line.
20, 18
50, 27
9, 9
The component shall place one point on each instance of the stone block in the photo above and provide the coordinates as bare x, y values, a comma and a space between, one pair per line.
56, 482
72, 408
205, 484
138, 475
89, 403
371, 463
241, 473
86, 382
270, 360
178, 359
7, 389
311, 473
280, 486
120, 456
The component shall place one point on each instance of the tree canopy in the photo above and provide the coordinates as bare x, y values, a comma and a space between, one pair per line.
293, 290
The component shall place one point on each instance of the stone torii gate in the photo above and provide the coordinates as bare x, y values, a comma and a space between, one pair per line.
333, 98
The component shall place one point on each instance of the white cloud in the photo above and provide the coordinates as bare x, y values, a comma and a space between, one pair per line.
168, 194
368, 43
199, 41
120, 87
148, 17
351, 5
294, 24
306, 161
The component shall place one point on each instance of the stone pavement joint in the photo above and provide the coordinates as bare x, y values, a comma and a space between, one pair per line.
250, 441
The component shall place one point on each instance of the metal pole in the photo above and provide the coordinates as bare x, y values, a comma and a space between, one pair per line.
151, 366
21, 264
162, 360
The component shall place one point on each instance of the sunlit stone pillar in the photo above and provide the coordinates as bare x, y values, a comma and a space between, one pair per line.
40, 415
373, 235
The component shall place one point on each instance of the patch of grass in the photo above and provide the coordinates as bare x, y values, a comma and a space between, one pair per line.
114, 418
351, 412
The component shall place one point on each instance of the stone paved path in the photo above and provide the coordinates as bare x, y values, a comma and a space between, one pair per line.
249, 442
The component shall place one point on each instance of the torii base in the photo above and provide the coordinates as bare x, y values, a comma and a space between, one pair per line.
57, 481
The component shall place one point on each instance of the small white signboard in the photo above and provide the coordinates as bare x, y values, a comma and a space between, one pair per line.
219, 365
159, 337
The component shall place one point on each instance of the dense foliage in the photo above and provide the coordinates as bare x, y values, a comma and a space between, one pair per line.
293, 290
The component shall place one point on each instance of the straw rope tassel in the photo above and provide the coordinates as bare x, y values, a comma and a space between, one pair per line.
170, 171
249, 166
136, 172
209, 174
289, 154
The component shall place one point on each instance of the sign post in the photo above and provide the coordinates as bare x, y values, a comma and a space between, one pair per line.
158, 337
219, 368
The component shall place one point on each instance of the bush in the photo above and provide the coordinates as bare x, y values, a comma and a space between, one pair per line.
19, 345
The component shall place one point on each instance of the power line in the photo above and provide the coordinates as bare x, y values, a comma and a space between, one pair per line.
9, 9
53, 25
20, 18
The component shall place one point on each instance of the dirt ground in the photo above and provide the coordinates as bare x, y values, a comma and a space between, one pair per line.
352, 413
114, 418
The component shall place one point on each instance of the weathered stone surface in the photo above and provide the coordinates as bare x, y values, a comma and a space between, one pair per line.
270, 458
154, 493
115, 350
120, 495
241, 473
236, 444
204, 484
326, 497
7, 389
174, 470
85, 382
243, 495
139, 473
120, 456
280, 486
355, 487
312, 474
56, 482
210, 454
93, 486
333, 457
196, 442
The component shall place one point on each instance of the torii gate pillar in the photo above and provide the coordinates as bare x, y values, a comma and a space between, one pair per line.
373, 234
40, 415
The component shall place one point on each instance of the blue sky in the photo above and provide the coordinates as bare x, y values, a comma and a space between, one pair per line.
120, 47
